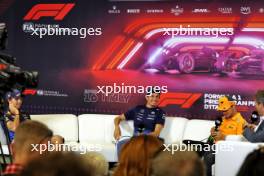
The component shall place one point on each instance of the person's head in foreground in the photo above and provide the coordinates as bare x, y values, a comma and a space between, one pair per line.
136, 156
253, 164
227, 107
28, 133
181, 163
97, 161
259, 102
57, 139
59, 164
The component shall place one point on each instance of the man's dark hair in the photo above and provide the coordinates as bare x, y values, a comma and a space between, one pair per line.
184, 163
260, 96
253, 164
58, 164
153, 89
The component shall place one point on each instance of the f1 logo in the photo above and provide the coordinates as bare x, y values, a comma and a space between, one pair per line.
58, 11
186, 100
29, 92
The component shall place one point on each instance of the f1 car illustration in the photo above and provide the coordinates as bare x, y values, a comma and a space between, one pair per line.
241, 59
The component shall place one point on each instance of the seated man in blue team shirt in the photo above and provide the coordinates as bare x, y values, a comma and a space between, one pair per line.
13, 114
148, 119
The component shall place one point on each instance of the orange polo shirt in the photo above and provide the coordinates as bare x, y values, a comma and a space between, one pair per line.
233, 125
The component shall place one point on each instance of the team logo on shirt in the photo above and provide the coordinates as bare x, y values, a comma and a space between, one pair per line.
142, 111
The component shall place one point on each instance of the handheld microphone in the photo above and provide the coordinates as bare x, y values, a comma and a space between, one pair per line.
141, 128
218, 122
254, 117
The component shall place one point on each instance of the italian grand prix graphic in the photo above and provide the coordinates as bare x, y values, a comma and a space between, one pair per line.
199, 51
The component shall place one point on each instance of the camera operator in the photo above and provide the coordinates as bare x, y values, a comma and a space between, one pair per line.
13, 114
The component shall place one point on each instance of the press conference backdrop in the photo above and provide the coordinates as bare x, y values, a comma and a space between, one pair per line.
195, 51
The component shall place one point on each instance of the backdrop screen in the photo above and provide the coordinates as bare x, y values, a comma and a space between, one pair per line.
102, 56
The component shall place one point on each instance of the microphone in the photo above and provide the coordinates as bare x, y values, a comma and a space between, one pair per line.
254, 117
218, 122
141, 128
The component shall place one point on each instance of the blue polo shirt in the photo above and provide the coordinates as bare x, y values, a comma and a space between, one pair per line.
8, 117
145, 119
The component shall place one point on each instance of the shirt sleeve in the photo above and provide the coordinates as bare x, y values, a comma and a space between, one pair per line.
24, 116
130, 114
8, 117
240, 126
161, 118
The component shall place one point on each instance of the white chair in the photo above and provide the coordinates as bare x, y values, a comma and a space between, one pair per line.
65, 125
198, 130
98, 130
3, 141
230, 156
173, 129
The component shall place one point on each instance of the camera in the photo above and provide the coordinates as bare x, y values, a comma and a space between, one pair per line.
11, 75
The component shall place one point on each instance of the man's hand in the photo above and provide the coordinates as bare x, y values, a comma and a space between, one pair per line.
13, 110
251, 126
117, 133
154, 134
213, 132
217, 135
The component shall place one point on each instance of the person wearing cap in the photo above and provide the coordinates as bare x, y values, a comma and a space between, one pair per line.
13, 114
232, 124
255, 133
232, 121
148, 119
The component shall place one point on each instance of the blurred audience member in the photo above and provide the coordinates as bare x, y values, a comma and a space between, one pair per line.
180, 163
253, 164
136, 155
59, 164
98, 162
27, 134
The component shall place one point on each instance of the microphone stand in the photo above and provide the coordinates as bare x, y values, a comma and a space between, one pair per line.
6, 134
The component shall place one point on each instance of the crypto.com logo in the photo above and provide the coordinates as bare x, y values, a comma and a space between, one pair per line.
57, 11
